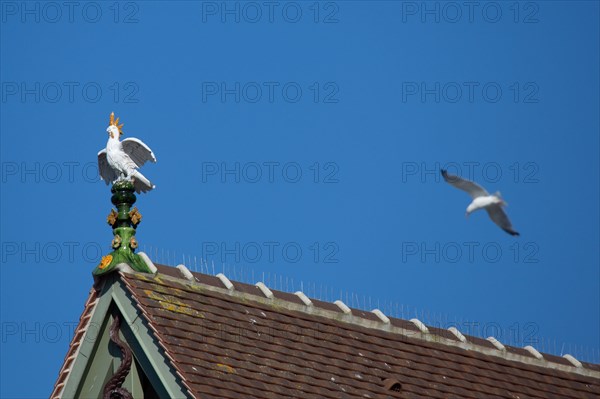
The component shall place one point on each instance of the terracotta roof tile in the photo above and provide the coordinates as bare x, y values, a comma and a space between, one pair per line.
290, 298
560, 360
228, 344
404, 324
591, 366
518, 351
481, 342
440, 332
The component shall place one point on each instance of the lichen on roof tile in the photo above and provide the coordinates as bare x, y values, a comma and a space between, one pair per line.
240, 343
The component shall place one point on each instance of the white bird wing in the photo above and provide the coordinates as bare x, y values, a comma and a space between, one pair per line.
107, 173
141, 184
139, 152
472, 188
499, 217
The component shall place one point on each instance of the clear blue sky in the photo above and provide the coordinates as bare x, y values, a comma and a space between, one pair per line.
312, 127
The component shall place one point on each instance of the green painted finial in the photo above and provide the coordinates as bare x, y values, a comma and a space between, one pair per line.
124, 222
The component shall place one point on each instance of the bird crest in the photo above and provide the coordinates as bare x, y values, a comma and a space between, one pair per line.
115, 123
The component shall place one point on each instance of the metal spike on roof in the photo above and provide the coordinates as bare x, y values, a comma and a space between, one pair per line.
381, 316
265, 290
389, 309
419, 324
228, 284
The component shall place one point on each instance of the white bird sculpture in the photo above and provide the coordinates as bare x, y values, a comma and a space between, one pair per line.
121, 159
482, 200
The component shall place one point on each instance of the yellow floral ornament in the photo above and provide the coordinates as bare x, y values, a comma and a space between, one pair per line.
116, 242
112, 217
136, 216
106, 260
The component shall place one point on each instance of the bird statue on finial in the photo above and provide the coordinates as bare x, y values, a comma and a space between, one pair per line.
120, 160
118, 164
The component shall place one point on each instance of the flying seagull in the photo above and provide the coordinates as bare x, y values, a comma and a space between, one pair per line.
482, 200
120, 160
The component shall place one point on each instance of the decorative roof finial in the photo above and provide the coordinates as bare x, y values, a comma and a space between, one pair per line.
118, 164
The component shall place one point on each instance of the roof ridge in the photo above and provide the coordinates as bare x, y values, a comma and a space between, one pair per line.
413, 328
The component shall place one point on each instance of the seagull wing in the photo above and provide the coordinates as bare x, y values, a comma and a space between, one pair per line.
472, 188
106, 172
139, 152
499, 217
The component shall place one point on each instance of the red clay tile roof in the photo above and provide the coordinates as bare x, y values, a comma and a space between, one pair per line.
239, 344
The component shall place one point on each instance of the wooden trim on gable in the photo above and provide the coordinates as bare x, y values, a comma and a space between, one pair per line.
95, 363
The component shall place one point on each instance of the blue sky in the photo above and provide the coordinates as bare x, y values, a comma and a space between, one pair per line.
301, 141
